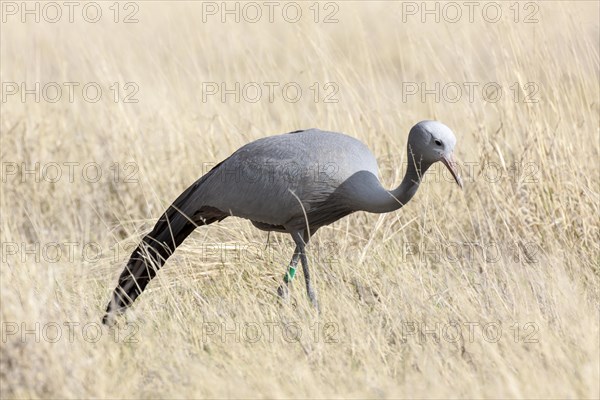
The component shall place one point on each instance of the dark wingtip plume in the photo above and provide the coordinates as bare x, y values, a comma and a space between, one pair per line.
108, 320
110, 317
120, 300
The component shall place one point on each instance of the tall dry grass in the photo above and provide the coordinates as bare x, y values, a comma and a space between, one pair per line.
411, 304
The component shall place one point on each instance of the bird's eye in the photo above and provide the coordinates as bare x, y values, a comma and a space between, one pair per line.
438, 142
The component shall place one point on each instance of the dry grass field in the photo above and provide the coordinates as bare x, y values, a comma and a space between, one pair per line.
488, 292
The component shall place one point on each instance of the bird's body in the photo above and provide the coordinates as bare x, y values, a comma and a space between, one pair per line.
295, 183
279, 180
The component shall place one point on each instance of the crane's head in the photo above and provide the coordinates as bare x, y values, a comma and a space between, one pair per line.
430, 142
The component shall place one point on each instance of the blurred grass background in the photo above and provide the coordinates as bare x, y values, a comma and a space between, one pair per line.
385, 274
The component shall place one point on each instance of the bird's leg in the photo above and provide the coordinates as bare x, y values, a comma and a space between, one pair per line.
312, 295
289, 274
301, 241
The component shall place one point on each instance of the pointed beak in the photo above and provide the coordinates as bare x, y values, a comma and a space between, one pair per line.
452, 166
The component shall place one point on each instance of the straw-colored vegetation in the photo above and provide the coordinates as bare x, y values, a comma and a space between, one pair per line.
487, 292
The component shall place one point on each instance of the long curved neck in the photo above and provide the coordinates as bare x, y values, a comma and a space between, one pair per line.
408, 187
374, 198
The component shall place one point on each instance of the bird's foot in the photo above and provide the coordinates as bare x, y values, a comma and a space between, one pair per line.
313, 300
283, 291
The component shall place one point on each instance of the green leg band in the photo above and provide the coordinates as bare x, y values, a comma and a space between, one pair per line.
287, 278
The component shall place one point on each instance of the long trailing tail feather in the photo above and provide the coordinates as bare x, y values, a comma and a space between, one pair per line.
180, 219
144, 264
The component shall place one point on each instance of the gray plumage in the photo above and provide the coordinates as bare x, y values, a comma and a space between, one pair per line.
294, 183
